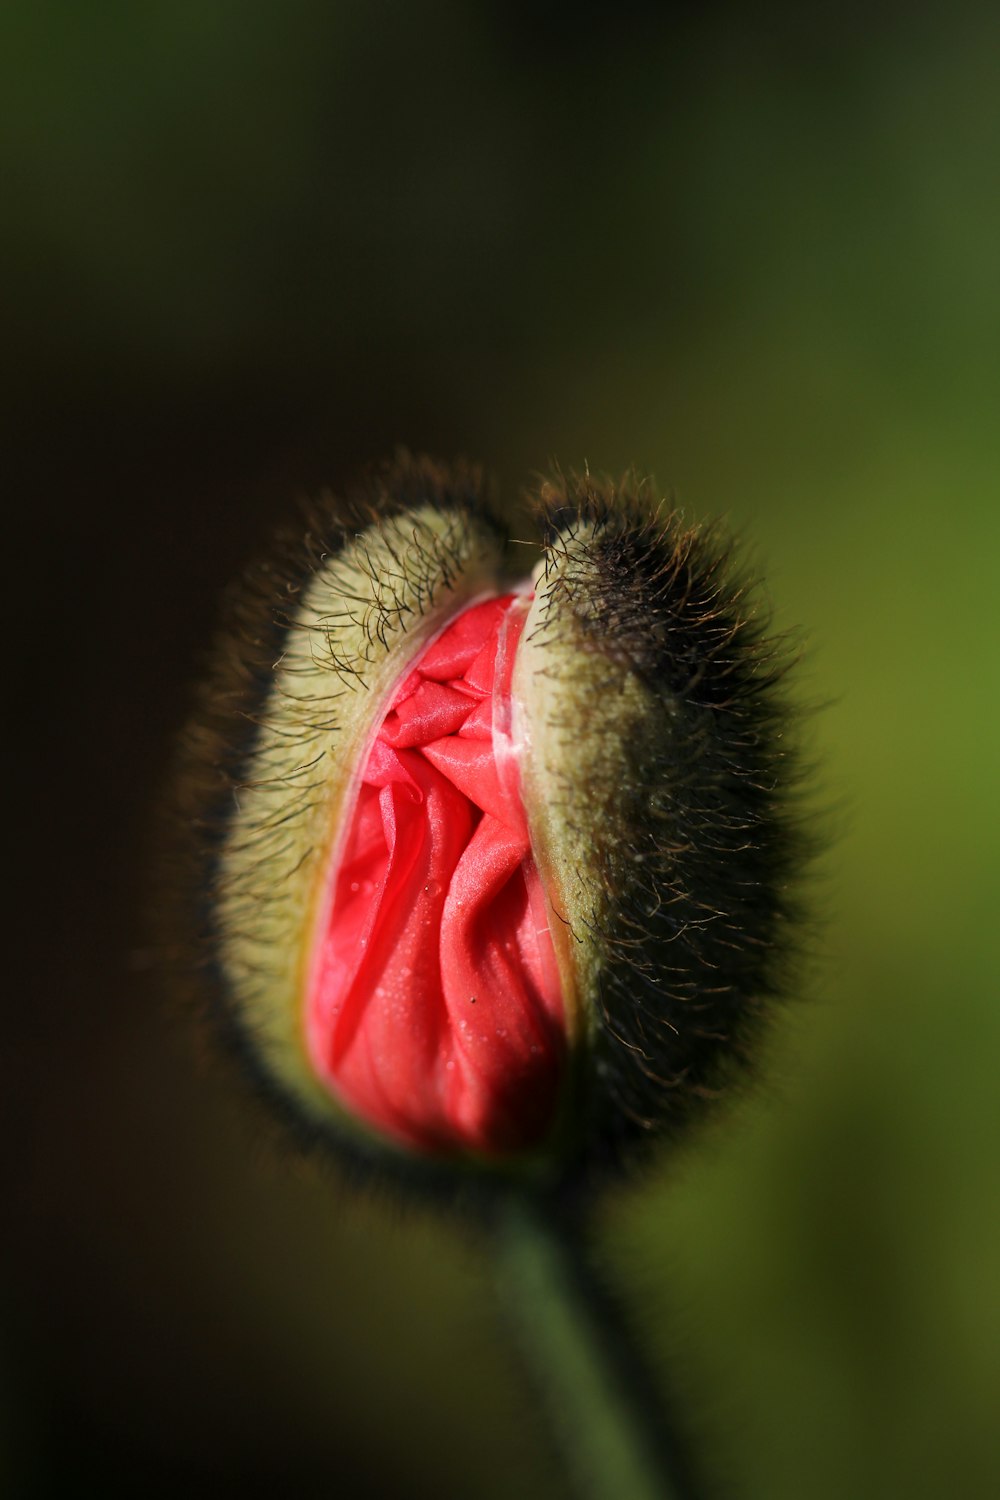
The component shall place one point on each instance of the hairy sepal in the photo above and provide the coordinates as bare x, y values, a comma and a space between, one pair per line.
660, 791
371, 599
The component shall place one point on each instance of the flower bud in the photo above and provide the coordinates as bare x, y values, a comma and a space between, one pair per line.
498, 867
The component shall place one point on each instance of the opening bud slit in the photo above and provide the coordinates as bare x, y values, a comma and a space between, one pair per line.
433, 1008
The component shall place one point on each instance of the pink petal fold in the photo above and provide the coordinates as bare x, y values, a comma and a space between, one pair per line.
434, 1009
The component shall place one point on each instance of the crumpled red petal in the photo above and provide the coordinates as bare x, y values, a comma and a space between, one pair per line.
434, 1009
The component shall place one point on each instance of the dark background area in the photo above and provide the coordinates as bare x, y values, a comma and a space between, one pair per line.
246, 248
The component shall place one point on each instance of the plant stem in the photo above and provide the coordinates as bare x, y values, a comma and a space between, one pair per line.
606, 1411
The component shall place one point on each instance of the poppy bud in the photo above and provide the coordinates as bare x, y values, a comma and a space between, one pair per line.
498, 870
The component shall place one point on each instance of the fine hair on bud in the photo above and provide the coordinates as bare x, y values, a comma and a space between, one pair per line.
305, 635
670, 828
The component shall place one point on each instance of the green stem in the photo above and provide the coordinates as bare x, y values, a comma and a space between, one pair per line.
603, 1404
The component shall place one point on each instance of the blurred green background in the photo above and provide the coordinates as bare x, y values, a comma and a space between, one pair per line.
246, 247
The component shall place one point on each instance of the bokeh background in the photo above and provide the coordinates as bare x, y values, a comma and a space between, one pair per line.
756, 251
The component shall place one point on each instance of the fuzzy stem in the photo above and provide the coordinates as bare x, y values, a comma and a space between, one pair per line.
601, 1400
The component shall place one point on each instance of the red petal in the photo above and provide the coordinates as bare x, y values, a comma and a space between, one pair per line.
434, 1009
